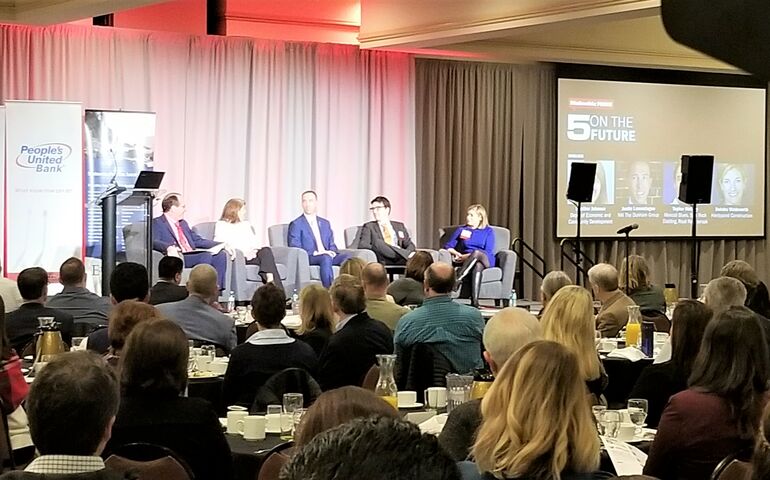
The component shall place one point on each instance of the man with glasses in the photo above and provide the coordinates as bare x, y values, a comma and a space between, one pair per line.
388, 239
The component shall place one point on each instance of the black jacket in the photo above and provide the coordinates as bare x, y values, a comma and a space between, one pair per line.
22, 324
166, 292
371, 238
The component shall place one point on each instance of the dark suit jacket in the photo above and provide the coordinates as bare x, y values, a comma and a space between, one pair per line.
371, 238
301, 235
188, 426
351, 352
163, 235
166, 292
22, 324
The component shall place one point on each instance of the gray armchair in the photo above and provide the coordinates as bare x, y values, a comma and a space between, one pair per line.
278, 236
496, 282
245, 279
352, 234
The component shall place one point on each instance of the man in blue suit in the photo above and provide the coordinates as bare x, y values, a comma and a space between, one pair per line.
314, 235
171, 235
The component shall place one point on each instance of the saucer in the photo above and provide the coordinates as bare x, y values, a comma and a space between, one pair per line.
410, 405
203, 375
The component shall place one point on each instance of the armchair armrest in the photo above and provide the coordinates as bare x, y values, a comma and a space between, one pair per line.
433, 253
506, 260
366, 255
290, 258
444, 256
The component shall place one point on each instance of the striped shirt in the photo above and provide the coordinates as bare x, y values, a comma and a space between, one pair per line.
453, 329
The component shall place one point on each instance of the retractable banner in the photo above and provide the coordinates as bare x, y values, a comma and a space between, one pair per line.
44, 185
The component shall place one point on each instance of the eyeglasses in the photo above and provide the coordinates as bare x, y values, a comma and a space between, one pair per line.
379, 207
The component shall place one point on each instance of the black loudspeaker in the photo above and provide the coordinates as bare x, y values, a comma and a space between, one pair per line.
581, 182
697, 175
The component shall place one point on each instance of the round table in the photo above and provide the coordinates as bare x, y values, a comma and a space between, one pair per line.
622, 375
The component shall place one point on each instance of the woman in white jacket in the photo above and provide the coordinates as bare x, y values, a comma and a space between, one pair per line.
239, 234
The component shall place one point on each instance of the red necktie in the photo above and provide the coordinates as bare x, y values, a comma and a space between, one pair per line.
183, 238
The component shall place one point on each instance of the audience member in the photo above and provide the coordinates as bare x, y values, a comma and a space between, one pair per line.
453, 329
552, 282
613, 315
233, 229
757, 296
200, 320
378, 448
760, 461
473, 249
9, 291
375, 282
314, 235
71, 407
168, 288
657, 383
124, 317
153, 377
569, 321
352, 349
506, 332
171, 235
353, 266
22, 324
536, 420
315, 310
723, 293
388, 239
649, 297
339, 406
720, 412
408, 290
266, 352
76, 299
127, 282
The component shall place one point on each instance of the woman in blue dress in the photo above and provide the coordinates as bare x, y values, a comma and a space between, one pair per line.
472, 247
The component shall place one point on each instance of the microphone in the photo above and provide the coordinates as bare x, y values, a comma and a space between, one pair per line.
628, 228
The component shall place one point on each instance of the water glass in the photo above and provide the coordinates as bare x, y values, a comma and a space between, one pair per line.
637, 411
274, 410
598, 411
292, 402
241, 313
458, 390
287, 426
611, 423
209, 351
297, 419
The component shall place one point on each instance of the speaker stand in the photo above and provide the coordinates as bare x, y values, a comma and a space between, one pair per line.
628, 266
695, 255
578, 255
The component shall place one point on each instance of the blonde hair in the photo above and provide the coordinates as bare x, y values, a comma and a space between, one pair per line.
569, 321
742, 271
517, 440
315, 309
638, 273
353, 266
482, 212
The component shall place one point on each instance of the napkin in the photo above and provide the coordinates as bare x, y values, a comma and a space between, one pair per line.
629, 353
434, 425
627, 459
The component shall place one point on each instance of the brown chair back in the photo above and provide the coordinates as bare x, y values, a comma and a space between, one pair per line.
661, 321
273, 465
165, 468
370, 380
732, 469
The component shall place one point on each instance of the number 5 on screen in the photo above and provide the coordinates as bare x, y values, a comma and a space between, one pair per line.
578, 127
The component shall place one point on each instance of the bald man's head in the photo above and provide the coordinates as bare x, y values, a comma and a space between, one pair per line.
440, 278
506, 332
375, 280
203, 282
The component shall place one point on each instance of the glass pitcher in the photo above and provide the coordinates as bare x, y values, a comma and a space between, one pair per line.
386, 384
634, 327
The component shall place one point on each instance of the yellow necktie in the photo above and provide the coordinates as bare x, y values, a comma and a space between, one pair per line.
386, 235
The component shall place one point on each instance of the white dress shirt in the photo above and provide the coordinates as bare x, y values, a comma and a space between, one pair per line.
313, 221
241, 236
271, 336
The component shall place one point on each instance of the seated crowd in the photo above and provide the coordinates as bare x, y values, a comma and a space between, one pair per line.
707, 390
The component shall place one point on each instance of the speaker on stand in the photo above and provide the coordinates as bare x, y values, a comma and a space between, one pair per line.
695, 188
580, 189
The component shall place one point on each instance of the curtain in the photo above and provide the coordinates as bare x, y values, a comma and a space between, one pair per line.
260, 120
486, 134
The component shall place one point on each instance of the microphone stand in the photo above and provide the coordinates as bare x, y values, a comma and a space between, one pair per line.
628, 266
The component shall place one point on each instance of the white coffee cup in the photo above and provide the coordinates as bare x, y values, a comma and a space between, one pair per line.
237, 408
203, 362
233, 418
407, 398
252, 427
626, 432
608, 344
435, 397
273, 424
217, 367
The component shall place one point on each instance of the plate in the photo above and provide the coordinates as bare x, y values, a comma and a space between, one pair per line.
410, 405
196, 375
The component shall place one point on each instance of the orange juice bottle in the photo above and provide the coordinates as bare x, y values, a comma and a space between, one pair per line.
634, 327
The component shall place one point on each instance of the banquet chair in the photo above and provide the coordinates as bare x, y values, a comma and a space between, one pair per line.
732, 468
278, 236
496, 282
421, 366
661, 321
352, 234
371, 378
289, 380
245, 279
275, 460
150, 462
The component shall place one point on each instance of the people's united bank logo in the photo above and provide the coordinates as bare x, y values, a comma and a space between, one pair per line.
44, 158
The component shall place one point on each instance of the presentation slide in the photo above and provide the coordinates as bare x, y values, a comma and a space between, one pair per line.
636, 133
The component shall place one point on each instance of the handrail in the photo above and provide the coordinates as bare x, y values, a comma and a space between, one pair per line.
566, 255
523, 246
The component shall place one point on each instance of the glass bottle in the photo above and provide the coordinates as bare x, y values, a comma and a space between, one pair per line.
634, 327
386, 384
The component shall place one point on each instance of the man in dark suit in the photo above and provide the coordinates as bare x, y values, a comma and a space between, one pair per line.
388, 239
22, 324
314, 235
168, 289
171, 235
352, 349
86, 307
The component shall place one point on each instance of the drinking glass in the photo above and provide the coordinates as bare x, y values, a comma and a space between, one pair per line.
209, 351
598, 411
241, 314
274, 409
458, 390
637, 410
297, 419
292, 401
597, 338
287, 426
611, 423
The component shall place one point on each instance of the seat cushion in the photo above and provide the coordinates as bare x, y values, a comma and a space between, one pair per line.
493, 274
315, 272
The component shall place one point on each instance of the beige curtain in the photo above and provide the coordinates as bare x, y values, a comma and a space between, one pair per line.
486, 134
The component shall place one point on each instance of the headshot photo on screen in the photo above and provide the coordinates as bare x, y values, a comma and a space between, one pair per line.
639, 183
604, 183
733, 185
672, 177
